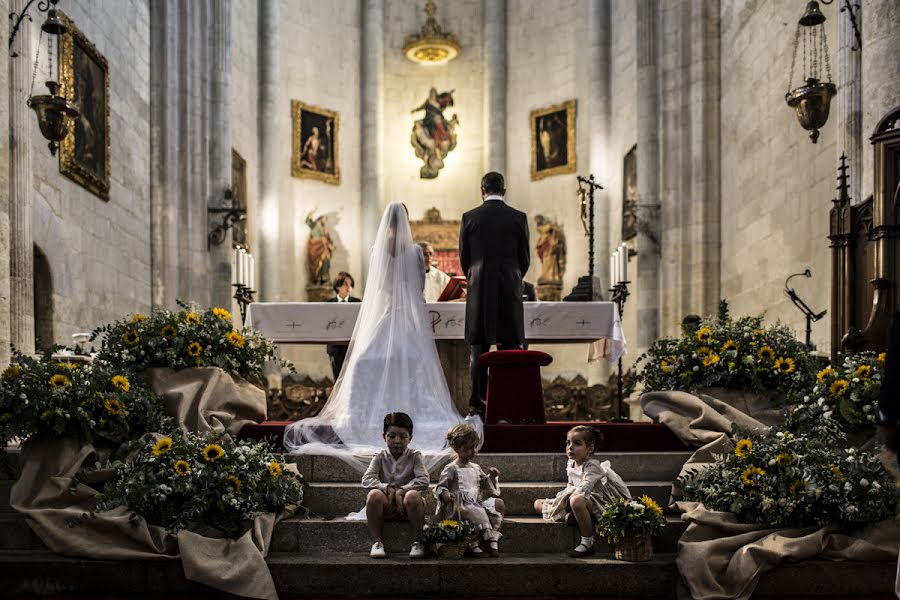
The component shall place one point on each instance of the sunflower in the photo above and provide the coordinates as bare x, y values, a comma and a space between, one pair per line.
138, 318
783, 458
864, 371
826, 372
192, 318
704, 351
882, 357
704, 334
450, 523
168, 332
766, 353
797, 486
121, 383
275, 469
651, 504
194, 349
213, 452
729, 345
839, 387
235, 483
162, 446
785, 365
131, 337
710, 360
749, 472
222, 314
235, 339
744, 448
58, 381
182, 467
68, 366
12, 371
114, 406
667, 365
836, 471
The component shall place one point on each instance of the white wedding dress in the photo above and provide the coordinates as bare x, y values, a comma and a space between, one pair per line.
392, 364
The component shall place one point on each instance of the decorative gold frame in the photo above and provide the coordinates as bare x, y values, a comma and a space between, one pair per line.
569, 167
68, 163
297, 170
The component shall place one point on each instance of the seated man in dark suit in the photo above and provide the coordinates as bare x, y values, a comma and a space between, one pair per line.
343, 287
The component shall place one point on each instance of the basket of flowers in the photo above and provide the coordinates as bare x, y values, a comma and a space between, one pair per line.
630, 525
448, 538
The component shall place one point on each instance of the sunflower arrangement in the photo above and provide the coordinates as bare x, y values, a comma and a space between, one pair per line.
847, 393
784, 479
624, 518
448, 531
189, 337
741, 354
194, 482
97, 402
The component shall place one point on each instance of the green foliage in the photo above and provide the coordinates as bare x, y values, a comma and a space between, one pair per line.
447, 531
623, 518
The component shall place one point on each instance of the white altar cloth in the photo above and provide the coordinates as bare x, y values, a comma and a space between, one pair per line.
545, 322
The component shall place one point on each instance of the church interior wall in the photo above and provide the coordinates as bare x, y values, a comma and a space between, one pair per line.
4, 199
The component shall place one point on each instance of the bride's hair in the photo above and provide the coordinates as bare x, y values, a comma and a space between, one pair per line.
462, 435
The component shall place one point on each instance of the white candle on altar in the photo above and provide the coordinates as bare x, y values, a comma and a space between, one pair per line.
246, 270
234, 266
252, 269
612, 270
238, 266
616, 266
623, 256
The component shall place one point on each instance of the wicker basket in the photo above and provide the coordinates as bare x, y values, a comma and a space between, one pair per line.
635, 548
454, 550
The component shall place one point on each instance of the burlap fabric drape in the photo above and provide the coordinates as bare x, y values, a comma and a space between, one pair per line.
201, 400
720, 558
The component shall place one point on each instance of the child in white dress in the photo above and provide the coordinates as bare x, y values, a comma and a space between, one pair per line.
463, 486
591, 485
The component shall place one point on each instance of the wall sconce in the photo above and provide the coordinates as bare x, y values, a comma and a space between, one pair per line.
54, 112
848, 8
812, 100
230, 216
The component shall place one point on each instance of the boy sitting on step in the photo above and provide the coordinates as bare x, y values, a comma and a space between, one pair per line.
591, 485
396, 478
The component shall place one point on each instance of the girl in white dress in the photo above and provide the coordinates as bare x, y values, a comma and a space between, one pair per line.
462, 488
591, 485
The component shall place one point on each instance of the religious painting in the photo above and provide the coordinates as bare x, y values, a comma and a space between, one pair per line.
443, 235
629, 194
434, 136
314, 152
84, 81
553, 140
239, 231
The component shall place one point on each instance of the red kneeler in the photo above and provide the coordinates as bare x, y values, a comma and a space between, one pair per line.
514, 392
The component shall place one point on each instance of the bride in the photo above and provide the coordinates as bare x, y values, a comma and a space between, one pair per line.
391, 366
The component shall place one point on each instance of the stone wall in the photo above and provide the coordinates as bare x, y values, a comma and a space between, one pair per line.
5, 25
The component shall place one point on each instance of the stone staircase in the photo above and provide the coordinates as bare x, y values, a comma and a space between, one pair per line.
323, 555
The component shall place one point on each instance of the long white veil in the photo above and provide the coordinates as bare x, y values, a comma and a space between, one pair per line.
392, 364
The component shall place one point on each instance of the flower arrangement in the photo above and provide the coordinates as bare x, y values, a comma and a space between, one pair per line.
847, 393
193, 482
625, 518
739, 354
782, 479
447, 531
97, 402
185, 338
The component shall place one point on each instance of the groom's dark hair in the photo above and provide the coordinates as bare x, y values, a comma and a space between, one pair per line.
492, 183
398, 419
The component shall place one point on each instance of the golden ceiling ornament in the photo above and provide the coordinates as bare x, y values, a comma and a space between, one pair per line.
431, 46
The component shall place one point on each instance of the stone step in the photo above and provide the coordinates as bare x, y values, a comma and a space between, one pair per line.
648, 466
339, 499
356, 575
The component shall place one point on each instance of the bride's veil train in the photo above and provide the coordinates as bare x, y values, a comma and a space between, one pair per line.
391, 366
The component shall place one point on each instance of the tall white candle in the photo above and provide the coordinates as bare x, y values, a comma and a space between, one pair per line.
246, 258
623, 252
252, 271
612, 270
617, 269
235, 264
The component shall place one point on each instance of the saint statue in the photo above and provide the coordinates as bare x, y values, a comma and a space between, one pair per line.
433, 136
551, 249
319, 249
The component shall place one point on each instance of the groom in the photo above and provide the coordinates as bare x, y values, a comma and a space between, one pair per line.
494, 255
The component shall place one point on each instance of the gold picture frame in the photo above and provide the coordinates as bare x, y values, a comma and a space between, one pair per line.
553, 140
84, 81
314, 148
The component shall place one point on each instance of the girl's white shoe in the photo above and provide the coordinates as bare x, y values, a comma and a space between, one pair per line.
417, 550
377, 550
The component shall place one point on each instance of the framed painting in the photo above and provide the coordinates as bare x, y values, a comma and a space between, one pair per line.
239, 231
314, 150
553, 140
629, 194
84, 81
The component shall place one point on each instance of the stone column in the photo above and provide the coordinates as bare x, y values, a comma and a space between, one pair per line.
4, 194
21, 237
880, 72
372, 125
601, 161
849, 104
646, 268
220, 145
495, 69
270, 166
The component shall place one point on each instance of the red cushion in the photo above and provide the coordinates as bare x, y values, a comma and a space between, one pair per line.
514, 358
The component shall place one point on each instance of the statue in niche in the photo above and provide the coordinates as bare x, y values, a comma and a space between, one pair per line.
433, 136
551, 249
319, 249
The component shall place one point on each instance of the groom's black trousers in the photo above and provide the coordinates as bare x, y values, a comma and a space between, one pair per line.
479, 376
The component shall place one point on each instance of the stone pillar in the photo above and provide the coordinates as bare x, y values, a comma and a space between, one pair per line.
495, 68
270, 166
880, 72
4, 194
599, 115
371, 125
849, 104
220, 145
21, 237
646, 287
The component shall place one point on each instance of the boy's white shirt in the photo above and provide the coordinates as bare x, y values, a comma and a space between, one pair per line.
407, 472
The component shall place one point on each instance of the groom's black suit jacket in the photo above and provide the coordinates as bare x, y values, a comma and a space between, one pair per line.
494, 255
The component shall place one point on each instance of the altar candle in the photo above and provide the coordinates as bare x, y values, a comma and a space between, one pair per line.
612, 270
234, 266
252, 270
246, 270
615, 269
623, 256
238, 266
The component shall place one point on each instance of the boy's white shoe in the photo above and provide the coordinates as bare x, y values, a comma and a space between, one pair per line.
377, 550
417, 550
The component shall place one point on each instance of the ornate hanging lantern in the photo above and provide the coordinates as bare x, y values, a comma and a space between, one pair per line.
812, 100
431, 46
